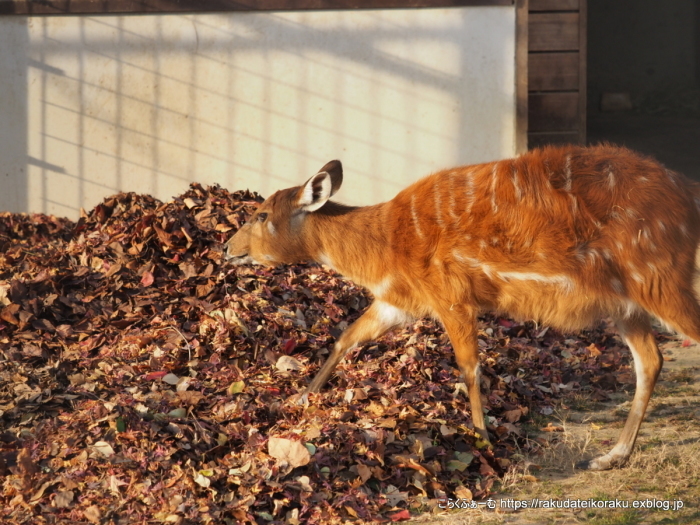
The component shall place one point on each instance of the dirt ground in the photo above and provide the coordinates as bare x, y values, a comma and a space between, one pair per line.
663, 471
665, 467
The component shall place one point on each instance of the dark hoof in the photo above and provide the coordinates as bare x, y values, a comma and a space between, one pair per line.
584, 465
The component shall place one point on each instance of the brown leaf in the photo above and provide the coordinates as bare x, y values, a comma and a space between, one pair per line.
286, 363
26, 465
513, 415
7, 314
93, 514
464, 493
147, 279
190, 397
188, 270
364, 471
552, 428
594, 350
288, 451
63, 499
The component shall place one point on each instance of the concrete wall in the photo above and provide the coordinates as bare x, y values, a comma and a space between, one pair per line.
94, 105
642, 46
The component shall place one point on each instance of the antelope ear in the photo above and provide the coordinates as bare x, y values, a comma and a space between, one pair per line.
335, 169
319, 188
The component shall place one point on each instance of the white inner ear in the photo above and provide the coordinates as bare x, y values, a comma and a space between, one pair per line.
312, 200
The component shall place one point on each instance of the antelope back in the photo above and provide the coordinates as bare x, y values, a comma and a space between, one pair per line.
563, 235
560, 234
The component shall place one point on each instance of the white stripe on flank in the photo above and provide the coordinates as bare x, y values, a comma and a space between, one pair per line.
574, 203
438, 204
516, 185
463, 258
453, 203
617, 286
414, 216
611, 178
474, 263
470, 191
560, 280
567, 173
672, 177
563, 281
494, 183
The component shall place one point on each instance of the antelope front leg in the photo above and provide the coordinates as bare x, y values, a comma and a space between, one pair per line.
460, 323
379, 318
647, 365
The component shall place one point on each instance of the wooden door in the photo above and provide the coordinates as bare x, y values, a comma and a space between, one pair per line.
556, 72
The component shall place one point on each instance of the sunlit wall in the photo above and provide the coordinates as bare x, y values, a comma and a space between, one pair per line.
249, 100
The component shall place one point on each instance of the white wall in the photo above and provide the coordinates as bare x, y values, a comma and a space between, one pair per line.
93, 105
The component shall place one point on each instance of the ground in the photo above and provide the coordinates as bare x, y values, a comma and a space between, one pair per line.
664, 469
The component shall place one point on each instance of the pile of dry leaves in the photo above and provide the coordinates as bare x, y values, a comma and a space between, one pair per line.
144, 381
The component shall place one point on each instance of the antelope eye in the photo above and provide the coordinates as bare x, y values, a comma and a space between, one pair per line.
262, 217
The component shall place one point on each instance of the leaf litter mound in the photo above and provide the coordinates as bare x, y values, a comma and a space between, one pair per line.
142, 380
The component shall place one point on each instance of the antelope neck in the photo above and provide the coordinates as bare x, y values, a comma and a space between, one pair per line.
351, 240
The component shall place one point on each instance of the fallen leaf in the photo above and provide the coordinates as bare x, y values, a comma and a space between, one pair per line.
552, 428
147, 279
151, 376
93, 514
286, 363
63, 499
364, 471
463, 493
171, 379
236, 387
400, 515
288, 451
202, 480
103, 448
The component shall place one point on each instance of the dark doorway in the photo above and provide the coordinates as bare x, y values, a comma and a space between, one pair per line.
647, 52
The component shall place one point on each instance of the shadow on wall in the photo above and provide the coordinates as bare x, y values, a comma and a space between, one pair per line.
258, 100
13, 115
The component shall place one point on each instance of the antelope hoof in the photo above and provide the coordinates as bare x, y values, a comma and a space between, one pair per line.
605, 462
